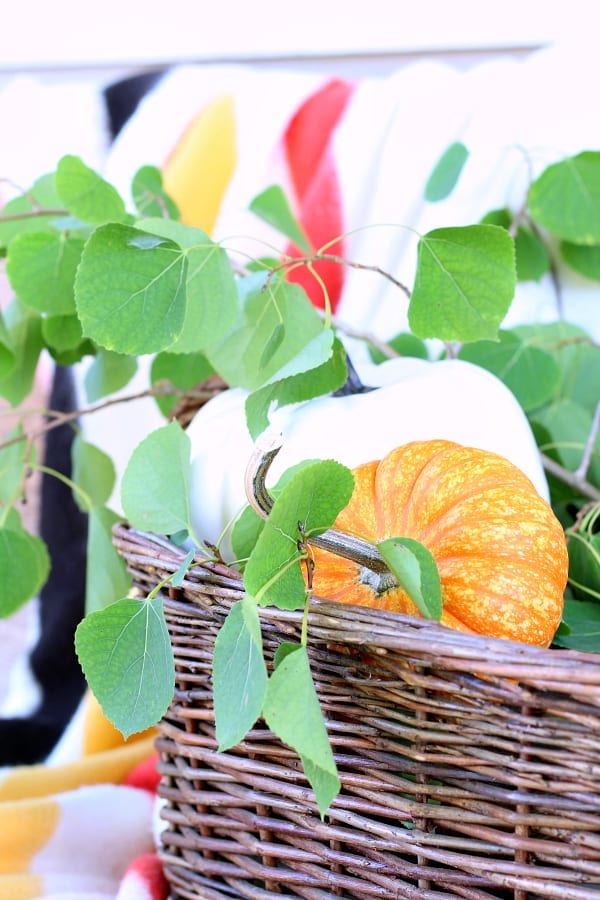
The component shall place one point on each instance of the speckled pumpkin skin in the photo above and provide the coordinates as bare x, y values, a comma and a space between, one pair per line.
500, 550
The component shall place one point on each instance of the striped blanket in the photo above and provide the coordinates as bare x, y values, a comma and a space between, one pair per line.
80, 824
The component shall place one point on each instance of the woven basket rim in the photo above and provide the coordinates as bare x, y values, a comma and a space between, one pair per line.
377, 629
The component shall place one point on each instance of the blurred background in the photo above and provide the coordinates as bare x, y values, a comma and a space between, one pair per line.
65, 39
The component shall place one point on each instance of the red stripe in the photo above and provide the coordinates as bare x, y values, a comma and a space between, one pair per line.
145, 873
144, 775
311, 166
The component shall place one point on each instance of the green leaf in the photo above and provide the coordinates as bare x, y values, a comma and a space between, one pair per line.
179, 538
211, 289
12, 460
565, 199
417, 572
583, 622
156, 483
585, 260
106, 572
272, 206
41, 268
93, 472
283, 650
576, 355
295, 383
7, 353
567, 426
531, 374
86, 194
12, 519
107, 373
314, 496
239, 673
40, 196
184, 370
126, 657
584, 564
249, 524
180, 573
71, 357
532, 258
24, 568
293, 712
242, 358
63, 332
25, 332
149, 196
130, 290
272, 345
446, 173
583, 542
464, 283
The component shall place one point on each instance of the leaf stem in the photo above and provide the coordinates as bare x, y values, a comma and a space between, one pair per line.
280, 571
158, 588
304, 630
46, 470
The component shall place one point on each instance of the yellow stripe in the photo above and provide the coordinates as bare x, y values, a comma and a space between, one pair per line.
109, 767
98, 734
21, 887
200, 167
26, 828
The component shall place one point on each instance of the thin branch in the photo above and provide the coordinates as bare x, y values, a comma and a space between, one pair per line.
521, 213
572, 479
383, 347
331, 257
33, 214
586, 459
160, 389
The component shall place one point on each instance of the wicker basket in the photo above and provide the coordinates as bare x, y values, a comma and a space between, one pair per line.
470, 766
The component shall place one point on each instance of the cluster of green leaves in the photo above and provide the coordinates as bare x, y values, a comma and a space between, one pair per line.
92, 279
554, 369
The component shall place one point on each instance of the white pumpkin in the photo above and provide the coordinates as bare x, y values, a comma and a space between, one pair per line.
415, 400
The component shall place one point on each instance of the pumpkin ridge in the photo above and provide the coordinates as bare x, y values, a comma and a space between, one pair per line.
501, 551
468, 468
391, 465
457, 505
459, 508
436, 536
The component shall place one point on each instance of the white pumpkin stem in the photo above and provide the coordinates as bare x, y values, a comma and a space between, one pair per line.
356, 549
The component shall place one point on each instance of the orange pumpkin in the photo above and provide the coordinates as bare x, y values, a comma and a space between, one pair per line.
500, 551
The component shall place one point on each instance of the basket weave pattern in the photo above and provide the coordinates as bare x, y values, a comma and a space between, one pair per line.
470, 766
